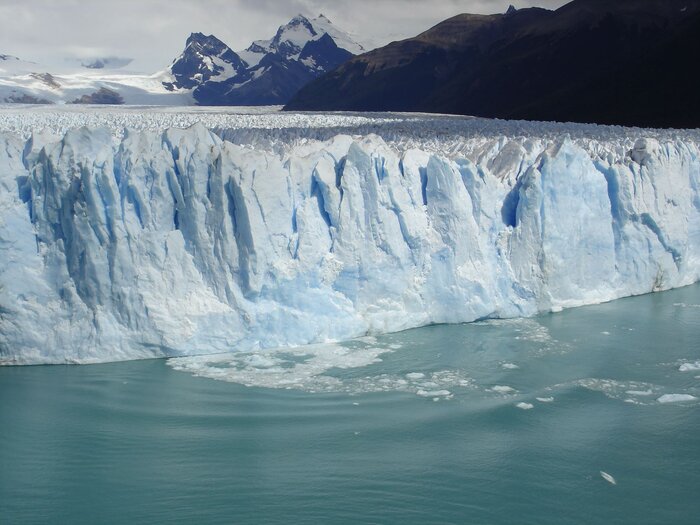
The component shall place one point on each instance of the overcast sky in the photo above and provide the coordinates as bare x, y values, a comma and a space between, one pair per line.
153, 32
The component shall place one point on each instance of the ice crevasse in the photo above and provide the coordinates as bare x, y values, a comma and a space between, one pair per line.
179, 242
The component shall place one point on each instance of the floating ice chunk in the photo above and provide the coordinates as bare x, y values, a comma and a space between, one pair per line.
607, 477
503, 389
639, 392
415, 375
509, 366
676, 398
525, 406
689, 367
605, 333
434, 393
545, 399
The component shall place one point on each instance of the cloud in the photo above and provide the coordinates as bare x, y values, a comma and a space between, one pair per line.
154, 31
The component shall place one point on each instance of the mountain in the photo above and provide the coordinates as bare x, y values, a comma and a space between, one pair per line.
105, 62
268, 72
208, 72
174, 241
204, 57
23, 82
12, 65
624, 62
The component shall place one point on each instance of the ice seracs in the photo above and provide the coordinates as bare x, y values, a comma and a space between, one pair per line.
189, 241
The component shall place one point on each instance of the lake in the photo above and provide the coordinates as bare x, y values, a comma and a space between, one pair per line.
591, 415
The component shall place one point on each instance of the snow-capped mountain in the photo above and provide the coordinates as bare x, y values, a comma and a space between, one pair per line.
290, 39
11, 65
208, 72
27, 82
268, 72
204, 57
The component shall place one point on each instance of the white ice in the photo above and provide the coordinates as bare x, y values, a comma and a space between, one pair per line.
676, 398
608, 477
690, 367
279, 230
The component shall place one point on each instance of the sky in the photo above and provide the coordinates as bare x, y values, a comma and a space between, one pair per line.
59, 33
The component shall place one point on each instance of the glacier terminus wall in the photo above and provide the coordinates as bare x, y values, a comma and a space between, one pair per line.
151, 243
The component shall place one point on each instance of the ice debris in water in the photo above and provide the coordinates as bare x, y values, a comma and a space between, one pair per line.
318, 368
509, 366
607, 477
689, 367
640, 392
525, 406
676, 398
503, 389
434, 393
545, 399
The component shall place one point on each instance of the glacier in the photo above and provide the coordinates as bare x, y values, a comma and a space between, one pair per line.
125, 243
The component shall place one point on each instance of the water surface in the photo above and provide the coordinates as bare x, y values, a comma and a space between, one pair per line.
427, 426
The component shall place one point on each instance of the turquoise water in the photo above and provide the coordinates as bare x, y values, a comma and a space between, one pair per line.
425, 428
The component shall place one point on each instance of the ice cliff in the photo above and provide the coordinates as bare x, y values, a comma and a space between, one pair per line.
180, 242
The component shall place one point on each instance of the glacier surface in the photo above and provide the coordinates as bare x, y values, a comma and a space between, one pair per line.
258, 231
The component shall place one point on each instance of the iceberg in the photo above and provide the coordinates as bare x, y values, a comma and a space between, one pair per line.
175, 242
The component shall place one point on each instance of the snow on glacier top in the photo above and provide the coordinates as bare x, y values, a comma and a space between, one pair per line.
268, 128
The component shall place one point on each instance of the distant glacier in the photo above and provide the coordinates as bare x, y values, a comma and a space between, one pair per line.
132, 244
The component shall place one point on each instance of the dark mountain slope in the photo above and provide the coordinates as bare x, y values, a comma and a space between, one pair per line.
624, 62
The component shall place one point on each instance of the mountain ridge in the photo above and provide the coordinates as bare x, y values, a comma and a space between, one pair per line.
207, 72
588, 61
268, 72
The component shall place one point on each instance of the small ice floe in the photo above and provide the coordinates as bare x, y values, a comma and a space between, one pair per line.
607, 477
434, 393
509, 366
525, 406
502, 389
676, 398
415, 375
356, 404
689, 367
605, 333
639, 392
545, 399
